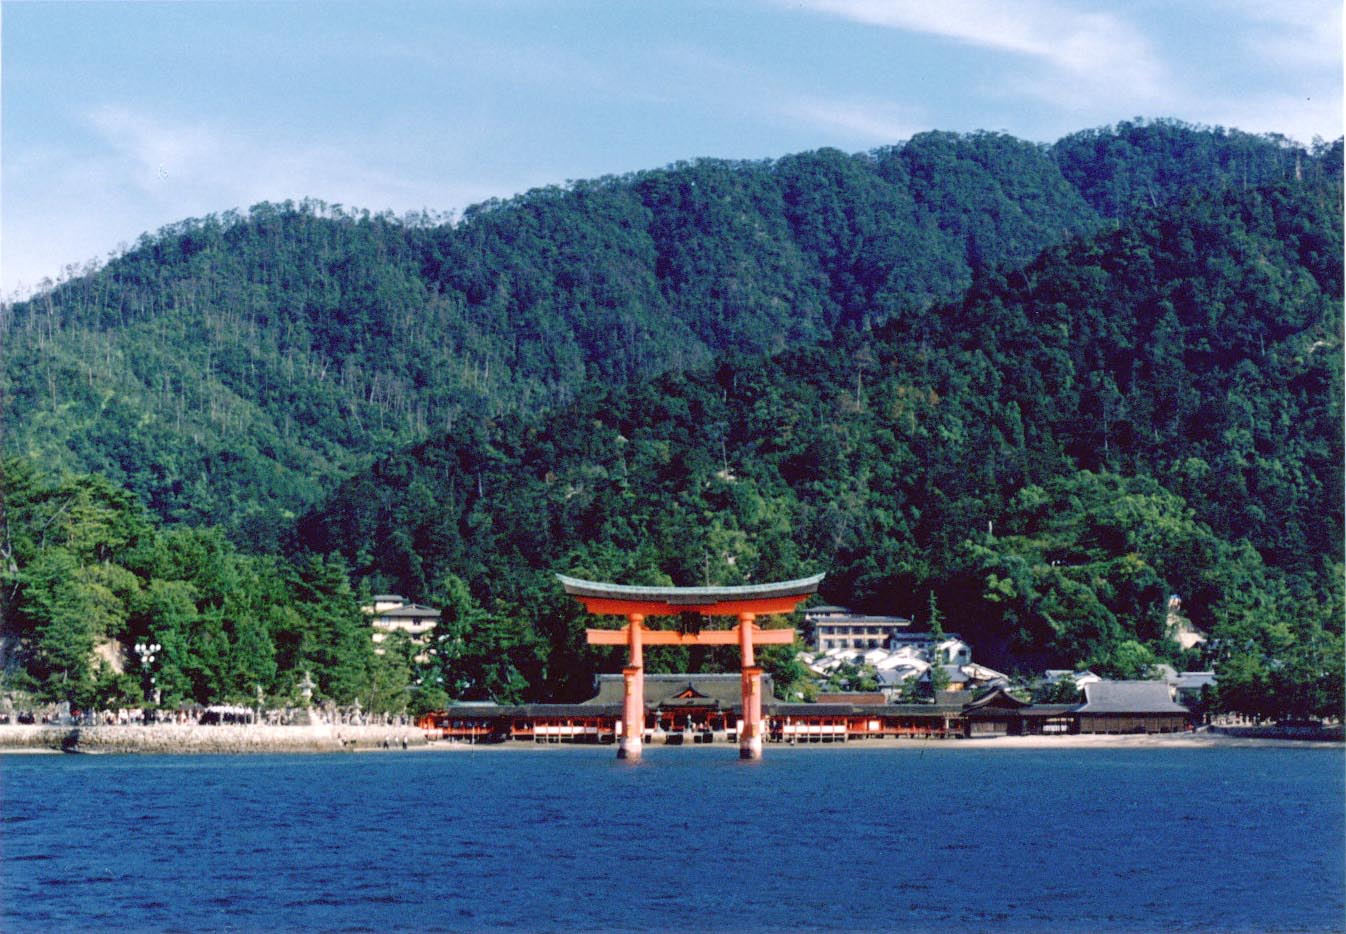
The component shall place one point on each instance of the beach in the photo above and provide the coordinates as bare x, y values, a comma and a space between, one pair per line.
186, 738
20, 739
1202, 739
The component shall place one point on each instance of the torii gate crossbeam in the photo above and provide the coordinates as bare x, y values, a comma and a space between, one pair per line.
636, 603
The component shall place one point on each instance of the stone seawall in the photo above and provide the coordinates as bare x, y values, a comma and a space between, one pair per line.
190, 738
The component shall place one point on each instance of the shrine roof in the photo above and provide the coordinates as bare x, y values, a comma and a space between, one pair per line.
788, 708
998, 698
532, 711
1129, 697
689, 598
662, 690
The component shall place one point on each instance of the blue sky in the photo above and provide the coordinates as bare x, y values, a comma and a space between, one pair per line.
119, 118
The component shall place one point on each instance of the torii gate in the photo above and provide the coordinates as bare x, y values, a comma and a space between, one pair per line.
636, 603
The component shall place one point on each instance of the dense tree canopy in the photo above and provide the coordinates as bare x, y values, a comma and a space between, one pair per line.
1043, 388
232, 369
1149, 412
90, 575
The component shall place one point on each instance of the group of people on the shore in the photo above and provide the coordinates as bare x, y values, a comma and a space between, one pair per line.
1237, 719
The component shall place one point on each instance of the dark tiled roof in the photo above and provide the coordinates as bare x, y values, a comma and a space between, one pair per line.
781, 709
858, 619
480, 711
689, 596
998, 698
407, 612
1193, 680
531, 711
852, 698
1047, 710
811, 710
1129, 697
576, 711
717, 690
824, 609
596, 708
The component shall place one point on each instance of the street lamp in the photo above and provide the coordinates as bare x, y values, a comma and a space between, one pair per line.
147, 652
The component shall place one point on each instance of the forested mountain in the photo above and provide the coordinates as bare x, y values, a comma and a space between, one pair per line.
230, 370
1123, 169
1041, 388
1149, 411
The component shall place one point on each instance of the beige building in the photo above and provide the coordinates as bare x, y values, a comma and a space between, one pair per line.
390, 613
837, 627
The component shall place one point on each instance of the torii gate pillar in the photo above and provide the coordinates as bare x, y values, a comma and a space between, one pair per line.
635, 603
750, 737
632, 738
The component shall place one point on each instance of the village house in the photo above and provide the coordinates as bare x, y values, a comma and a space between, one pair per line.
1053, 676
970, 677
1192, 688
390, 613
909, 655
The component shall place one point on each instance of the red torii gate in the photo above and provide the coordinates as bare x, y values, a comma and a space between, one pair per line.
636, 603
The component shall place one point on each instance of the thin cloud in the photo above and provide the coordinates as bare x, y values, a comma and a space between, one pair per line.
1293, 51
1099, 47
863, 121
1296, 36
196, 164
535, 67
867, 122
154, 147
1300, 119
145, 171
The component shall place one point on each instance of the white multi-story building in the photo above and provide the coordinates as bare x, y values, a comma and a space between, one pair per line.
842, 637
391, 613
836, 627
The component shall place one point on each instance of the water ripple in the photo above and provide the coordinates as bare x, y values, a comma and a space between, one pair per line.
690, 840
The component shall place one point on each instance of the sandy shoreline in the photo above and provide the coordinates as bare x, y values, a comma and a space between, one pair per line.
172, 739
1201, 740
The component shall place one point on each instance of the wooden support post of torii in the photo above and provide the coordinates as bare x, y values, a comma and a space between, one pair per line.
632, 736
750, 740
637, 603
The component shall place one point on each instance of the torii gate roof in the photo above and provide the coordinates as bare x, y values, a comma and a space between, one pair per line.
625, 599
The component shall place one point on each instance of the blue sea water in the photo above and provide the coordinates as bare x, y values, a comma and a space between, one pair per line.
930, 838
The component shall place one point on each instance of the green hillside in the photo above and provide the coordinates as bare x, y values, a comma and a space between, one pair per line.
230, 370
1151, 411
1040, 389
